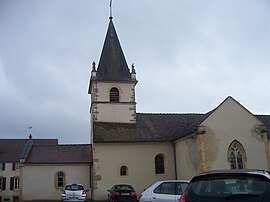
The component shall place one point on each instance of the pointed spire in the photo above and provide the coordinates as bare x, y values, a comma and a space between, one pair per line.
112, 64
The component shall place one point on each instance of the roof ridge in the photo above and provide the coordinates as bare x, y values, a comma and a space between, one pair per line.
170, 113
56, 145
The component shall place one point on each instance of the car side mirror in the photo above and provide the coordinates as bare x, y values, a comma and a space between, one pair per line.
87, 190
108, 190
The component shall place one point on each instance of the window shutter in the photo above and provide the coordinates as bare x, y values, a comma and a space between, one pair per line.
3, 183
3, 166
12, 183
13, 166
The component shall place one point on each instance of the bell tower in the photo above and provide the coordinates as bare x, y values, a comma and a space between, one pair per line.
112, 84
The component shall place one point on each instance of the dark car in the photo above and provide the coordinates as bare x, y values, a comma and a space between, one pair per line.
228, 186
122, 193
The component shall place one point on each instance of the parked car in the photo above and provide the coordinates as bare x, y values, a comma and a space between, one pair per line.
122, 192
229, 185
74, 192
164, 191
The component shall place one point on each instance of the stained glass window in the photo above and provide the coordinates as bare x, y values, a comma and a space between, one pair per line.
123, 170
60, 179
159, 164
236, 155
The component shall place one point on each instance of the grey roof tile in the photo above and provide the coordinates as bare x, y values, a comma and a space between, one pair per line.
58, 154
112, 64
10, 149
154, 127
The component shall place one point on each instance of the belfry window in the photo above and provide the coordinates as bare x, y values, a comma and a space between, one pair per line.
236, 155
114, 95
159, 164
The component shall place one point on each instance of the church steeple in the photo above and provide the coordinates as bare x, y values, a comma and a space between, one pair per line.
112, 84
112, 64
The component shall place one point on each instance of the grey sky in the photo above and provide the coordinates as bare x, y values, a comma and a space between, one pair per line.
189, 56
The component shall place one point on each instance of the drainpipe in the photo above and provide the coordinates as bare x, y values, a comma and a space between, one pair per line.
174, 159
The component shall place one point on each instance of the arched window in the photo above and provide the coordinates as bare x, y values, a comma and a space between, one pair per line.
114, 95
60, 179
123, 170
159, 164
236, 155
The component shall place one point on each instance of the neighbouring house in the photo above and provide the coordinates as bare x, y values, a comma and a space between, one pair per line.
38, 169
140, 148
10, 179
45, 169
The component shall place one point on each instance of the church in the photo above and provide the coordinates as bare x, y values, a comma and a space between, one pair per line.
140, 148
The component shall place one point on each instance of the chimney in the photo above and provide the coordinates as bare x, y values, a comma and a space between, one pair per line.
30, 137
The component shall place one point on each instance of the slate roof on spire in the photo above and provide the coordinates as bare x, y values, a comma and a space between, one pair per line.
112, 64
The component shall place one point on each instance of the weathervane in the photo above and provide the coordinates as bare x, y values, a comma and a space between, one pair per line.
110, 10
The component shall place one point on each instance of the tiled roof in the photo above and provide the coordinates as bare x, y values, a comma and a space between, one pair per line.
10, 149
266, 120
149, 128
112, 64
58, 154
154, 127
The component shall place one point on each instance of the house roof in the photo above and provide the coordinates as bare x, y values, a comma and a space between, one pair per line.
58, 154
10, 149
112, 64
155, 128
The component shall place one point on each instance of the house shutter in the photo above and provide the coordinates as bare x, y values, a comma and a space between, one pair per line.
3, 166
12, 183
3, 183
13, 166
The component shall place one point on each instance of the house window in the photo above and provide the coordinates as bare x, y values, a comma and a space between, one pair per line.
159, 164
16, 183
236, 155
2, 166
15, 166
2, 183
114, 95
60, 179
123, 170
15, 199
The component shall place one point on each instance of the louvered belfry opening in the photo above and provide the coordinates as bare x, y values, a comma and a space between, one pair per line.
114, 95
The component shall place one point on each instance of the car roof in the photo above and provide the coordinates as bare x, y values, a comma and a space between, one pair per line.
230, 171
73, 184
173, 181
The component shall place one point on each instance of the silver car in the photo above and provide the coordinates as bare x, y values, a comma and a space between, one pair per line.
73, 192
164, 191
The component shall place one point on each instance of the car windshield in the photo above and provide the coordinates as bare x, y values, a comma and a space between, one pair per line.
74, 187
229, 186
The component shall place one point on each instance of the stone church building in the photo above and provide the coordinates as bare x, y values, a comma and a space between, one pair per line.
140, 148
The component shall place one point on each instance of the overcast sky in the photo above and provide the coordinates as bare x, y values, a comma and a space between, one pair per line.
189, 56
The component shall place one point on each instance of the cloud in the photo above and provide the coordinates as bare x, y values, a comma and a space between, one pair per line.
189, 56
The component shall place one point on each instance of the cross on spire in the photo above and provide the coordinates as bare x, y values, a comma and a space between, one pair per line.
110, 10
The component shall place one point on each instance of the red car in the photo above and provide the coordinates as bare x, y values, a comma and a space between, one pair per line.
122, 193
